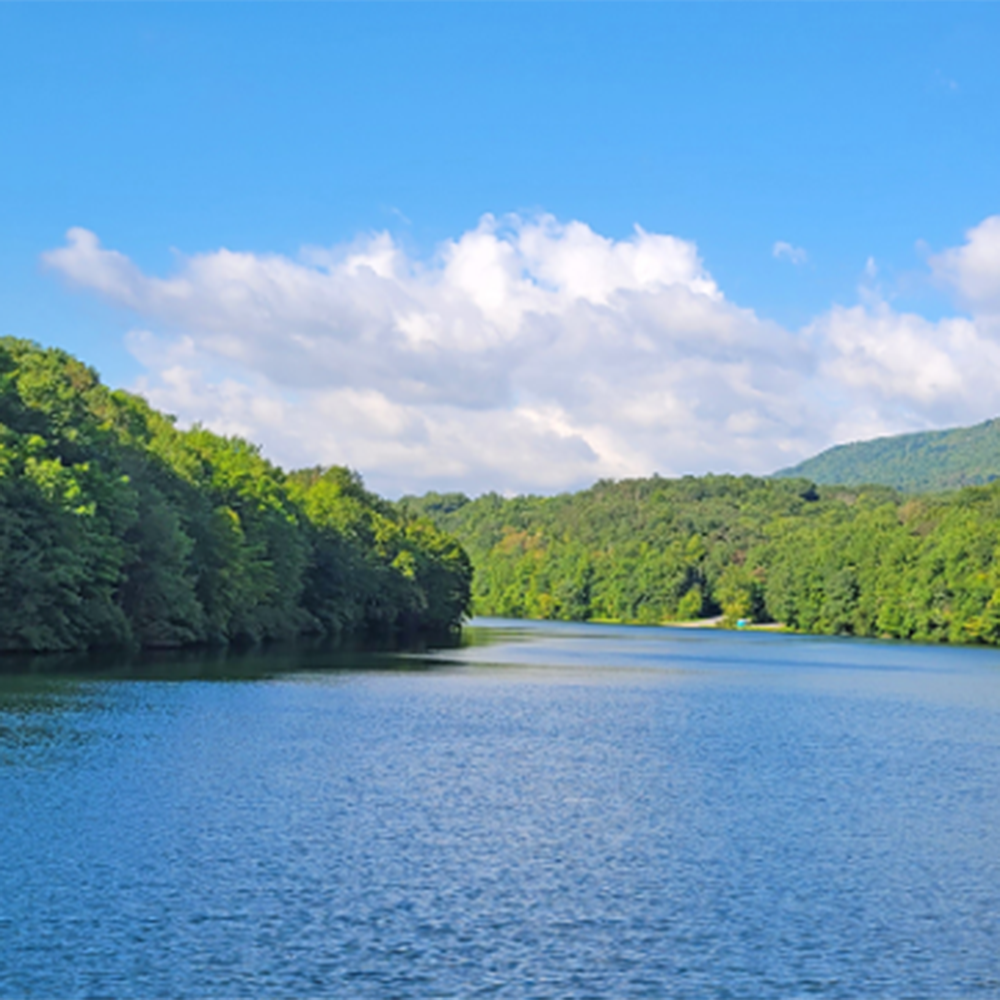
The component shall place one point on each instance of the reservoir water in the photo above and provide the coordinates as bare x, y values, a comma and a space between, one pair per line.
549, 811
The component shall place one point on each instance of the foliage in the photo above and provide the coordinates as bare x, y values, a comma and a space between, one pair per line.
833, 560
118, 528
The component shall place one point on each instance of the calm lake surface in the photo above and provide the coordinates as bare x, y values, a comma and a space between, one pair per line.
551, 810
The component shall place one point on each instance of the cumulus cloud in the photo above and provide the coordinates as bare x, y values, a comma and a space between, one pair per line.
785, 251
973, 270
904, 358
528, 354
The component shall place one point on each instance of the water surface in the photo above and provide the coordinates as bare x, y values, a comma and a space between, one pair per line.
551, 810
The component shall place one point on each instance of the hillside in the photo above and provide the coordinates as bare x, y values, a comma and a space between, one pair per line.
118, 529
830, 559
928, 462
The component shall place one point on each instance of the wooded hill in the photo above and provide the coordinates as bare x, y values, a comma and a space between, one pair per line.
932, 461
116, 528
837, 560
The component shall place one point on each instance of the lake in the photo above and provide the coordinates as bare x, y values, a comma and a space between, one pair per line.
548, 811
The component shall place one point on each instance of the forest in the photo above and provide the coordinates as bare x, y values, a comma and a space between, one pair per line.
865, 561
119, 529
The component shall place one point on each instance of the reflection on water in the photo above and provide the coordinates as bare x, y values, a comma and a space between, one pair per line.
545, 811
251, 662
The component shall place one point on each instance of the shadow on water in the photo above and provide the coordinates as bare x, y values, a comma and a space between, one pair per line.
249, 662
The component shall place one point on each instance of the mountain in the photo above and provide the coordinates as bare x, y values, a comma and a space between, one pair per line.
930, 461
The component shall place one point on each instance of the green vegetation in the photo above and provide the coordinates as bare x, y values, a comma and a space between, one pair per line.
833, 560
914, 463
116, 529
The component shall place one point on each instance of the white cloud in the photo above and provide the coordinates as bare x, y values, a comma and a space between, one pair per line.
904, 358
531, 354
785, 251
973, 269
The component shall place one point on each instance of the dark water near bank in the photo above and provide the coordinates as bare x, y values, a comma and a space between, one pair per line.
553, 811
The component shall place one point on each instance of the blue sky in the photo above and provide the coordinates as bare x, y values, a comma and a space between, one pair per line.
864, 138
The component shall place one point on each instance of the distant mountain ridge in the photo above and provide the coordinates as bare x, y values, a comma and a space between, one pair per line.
925, 462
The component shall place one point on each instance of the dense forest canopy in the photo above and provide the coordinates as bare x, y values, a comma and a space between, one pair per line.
116, 528
835, 560
914, 463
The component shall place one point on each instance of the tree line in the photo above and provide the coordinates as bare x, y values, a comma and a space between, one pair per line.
119, 529
864, 561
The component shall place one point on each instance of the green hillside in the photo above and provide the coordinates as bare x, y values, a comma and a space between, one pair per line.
119, 529
836, 560
928, 462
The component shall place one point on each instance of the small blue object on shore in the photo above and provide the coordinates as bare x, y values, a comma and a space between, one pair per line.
742, 622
